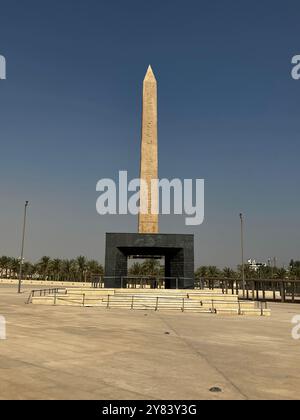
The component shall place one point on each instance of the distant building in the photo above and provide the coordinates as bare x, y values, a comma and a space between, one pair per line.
256, 266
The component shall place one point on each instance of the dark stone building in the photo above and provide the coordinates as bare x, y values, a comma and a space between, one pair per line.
177, 249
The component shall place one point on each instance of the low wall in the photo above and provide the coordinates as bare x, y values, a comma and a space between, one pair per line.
46, 283
268, 294
52, 284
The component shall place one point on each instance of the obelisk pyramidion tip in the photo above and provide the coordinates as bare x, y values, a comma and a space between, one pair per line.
149, 74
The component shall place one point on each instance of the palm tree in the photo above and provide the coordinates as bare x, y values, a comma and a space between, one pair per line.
66, 269
151, 267
294, 272
4, 263
14, 266
249, 272
43, 267
28, 270
202, 271
93, 270
228, 273
136, 269
55, 269
213, 271
81, 265
93, 267
281, 273
265, 272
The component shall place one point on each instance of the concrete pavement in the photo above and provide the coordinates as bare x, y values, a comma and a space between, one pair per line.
90, 353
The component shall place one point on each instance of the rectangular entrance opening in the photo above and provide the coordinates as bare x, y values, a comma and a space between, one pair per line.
146, 271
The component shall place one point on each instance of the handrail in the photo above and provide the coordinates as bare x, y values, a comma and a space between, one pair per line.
129, 297
44, 292
149, 280
283, 290
148, 301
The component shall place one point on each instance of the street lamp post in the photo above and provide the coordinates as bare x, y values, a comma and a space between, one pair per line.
242, 249
22, 248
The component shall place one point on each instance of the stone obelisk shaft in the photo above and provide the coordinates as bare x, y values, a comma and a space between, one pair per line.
148, 220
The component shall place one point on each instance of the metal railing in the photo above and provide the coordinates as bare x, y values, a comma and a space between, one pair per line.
145, 302
45, 292
149, 302
153, 282
157, 302
276, 290
97, 281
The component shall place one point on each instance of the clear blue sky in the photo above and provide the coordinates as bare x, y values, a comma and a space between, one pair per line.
70, 114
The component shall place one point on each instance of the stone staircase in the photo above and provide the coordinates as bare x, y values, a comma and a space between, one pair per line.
192, 301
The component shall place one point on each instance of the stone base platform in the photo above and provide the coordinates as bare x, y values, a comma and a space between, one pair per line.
154, 300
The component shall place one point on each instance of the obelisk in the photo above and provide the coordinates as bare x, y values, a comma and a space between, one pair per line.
148, 217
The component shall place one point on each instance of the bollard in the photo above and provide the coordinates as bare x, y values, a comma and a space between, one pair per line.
156, 308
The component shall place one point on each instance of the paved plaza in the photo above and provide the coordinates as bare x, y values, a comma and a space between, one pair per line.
91, 353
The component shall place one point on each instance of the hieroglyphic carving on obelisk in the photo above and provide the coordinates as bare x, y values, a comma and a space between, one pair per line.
148, 220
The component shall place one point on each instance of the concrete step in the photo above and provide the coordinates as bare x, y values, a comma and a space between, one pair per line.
43, 300
224, 304
155, 300
244, 312
176, 301
65, 301
256, 312
151, 303
195, 295
92, 292
227, 311
210, 297
152, 307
